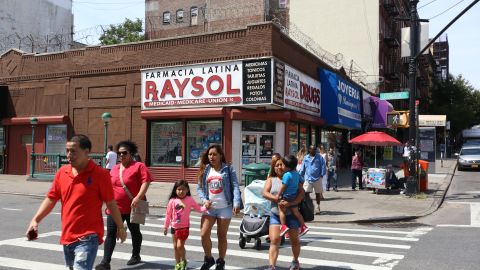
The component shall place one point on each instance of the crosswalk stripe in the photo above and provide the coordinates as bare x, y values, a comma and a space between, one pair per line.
310, 233
358, 243
314, 227
28, 264
116, 255
231, 252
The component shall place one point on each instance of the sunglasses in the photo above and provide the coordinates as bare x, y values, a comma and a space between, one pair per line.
122, 153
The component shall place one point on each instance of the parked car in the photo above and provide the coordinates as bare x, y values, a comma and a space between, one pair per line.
469, 157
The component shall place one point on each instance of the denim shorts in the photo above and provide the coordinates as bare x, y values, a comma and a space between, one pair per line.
81, 254
292, 222
223, 213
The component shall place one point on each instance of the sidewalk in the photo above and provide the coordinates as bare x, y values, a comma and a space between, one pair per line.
338, 207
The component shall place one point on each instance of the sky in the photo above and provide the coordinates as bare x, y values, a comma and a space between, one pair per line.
463, 35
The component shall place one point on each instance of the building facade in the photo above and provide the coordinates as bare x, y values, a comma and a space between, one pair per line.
441, 56
36, 26
252, 90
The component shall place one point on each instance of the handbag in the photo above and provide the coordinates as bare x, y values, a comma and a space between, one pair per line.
307, 208
139, 213
231, 187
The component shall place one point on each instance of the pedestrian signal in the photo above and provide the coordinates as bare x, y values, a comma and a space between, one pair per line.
398, 119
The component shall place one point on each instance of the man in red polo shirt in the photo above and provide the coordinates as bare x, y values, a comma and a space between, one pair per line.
82, 187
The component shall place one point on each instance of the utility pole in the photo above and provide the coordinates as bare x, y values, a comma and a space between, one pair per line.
412, 81
413, 182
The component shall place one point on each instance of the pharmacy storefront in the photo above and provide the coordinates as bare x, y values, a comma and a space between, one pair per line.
253, 108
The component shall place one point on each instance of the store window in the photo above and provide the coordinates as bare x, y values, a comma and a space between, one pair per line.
200, 135
166, 143
56, 139
293, 138
304, 136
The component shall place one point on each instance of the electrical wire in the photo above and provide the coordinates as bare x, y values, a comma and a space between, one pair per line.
427, 4
446, 10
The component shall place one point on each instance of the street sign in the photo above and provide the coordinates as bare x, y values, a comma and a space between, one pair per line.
394, 95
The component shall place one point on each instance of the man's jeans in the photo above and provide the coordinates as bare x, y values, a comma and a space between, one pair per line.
81, 254
331, 175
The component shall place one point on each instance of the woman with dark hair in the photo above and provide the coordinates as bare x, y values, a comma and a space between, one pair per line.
270, 192
219, 191
136, 178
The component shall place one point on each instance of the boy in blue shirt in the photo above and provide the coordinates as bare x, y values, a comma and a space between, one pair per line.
288, 192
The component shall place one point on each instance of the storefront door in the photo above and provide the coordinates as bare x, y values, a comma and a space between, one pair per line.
2, 149
257, 147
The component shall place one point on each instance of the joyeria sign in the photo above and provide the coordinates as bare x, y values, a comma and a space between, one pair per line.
192, 86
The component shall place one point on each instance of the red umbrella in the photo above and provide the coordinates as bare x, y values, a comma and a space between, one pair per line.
375, 138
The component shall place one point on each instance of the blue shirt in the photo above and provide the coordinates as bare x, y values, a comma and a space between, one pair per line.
291, 179
313, 168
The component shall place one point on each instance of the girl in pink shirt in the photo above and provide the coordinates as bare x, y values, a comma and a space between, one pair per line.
178, 213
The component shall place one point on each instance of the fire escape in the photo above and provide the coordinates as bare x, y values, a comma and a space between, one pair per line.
391, 41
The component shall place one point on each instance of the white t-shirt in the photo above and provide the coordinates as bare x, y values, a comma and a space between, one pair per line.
112, 160
215, 189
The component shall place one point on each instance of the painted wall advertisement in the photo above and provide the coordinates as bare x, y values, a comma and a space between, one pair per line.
302, 93
216, 84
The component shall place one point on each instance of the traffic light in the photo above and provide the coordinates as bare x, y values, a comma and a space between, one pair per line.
398, 119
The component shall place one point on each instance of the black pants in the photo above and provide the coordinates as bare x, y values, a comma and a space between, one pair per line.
355, 174
110, 240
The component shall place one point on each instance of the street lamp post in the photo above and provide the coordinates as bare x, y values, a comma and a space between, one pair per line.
106, 116
33, 122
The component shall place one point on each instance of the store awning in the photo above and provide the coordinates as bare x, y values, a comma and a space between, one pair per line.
42, 120
380, 108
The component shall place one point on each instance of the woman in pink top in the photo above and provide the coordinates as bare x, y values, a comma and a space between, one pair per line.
178, 214
137, 179
357, 164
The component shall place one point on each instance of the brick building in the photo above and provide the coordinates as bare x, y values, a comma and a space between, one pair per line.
260, 94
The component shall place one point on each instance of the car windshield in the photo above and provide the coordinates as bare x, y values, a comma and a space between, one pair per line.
470, 151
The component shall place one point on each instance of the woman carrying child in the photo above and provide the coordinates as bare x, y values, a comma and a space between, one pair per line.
270, 192
178, 214
288, 192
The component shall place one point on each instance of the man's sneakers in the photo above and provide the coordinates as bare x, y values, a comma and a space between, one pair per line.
102, 266
283, 230
303, 230
207, 263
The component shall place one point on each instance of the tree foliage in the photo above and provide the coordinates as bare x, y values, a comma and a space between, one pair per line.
128, 31
458, 100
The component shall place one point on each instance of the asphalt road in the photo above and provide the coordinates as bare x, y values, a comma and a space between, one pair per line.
326, 246
453, 243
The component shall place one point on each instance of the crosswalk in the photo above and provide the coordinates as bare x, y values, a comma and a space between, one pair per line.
331, 246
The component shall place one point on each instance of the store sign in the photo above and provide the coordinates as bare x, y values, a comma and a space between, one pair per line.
432, 120
257, 80
341, 100
302, 93
279, 83
192, 86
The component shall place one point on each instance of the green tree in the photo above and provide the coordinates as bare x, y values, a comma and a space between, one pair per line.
128, 31
457, 99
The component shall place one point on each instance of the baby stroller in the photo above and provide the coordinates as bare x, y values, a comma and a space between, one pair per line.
256, 219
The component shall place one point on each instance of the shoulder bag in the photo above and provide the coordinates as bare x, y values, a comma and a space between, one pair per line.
139, 213
306, 208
